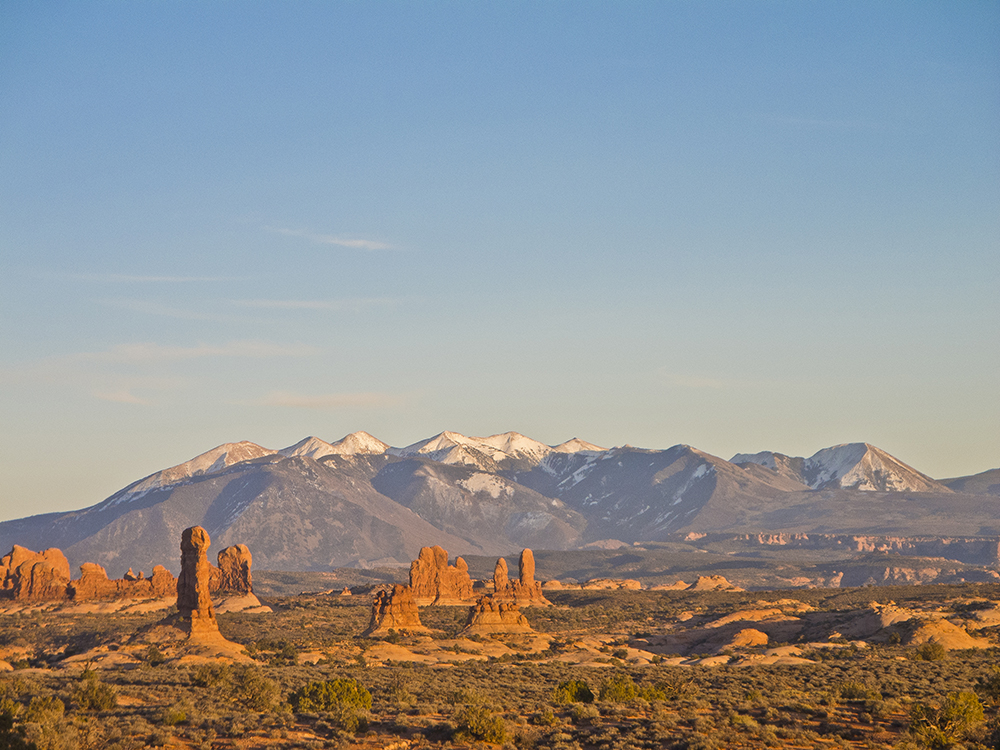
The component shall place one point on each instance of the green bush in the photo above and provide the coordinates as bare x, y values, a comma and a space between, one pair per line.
942, 727
94, 695
930, 651
477, 722
347, 702
253, 690
573, 691
619, 689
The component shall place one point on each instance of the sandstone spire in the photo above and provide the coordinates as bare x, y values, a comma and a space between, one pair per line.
501, 582
194, 603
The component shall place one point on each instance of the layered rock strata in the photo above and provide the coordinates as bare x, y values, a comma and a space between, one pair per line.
394, 609
434, 581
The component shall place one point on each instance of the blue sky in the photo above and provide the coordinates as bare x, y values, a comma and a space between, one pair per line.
739, 225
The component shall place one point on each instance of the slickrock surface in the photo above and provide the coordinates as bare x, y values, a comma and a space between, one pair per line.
394, 609
434, 581
496, 615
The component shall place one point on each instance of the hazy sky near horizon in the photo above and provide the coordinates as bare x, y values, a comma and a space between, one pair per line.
740, 225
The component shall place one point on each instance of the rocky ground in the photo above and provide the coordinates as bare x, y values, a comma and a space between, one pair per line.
603, 668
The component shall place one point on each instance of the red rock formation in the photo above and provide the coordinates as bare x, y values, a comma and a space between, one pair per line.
394, 609
194, 603
233, 574
94, 585
35, 576
434, 581
525, 590
496, 615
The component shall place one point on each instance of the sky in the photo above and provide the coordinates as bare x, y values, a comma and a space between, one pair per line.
743, 226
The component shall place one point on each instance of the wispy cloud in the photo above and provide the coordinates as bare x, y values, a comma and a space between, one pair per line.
354, 304
151, 352
121, 396
147, 307
124, 278
330, 239
331, 400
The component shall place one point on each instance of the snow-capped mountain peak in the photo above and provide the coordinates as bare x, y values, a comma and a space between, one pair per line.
575, 445
210, 462
859, 466
359, 443
862, 466
311, 447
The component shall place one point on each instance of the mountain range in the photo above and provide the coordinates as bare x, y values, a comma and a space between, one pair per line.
317, 505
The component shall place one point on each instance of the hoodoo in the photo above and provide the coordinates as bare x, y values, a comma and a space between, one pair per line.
194, 603
394, 609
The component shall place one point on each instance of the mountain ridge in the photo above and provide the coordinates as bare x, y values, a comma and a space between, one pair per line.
358, 501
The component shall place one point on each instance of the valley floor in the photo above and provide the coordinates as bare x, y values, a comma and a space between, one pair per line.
605, 670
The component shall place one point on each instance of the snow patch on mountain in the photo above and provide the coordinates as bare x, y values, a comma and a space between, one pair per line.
455, 448
491, 484
862, 466
210, 462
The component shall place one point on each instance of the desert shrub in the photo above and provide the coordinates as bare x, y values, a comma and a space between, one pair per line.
573, 691
584, 714
174, 715
853, 690
94, 695
207, 675
477, 722
345, 700
12, 735
252, 690
619, 689
988, 685
154, 657
941, 727
930, 651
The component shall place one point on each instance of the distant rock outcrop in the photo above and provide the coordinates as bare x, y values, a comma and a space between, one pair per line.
94, 584
394, 609
713, 583
524, 590
496, 615
35, 576
233, 574
434, 581
628, 584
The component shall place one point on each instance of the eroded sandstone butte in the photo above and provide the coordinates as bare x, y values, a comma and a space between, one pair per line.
394, 609
434, 581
